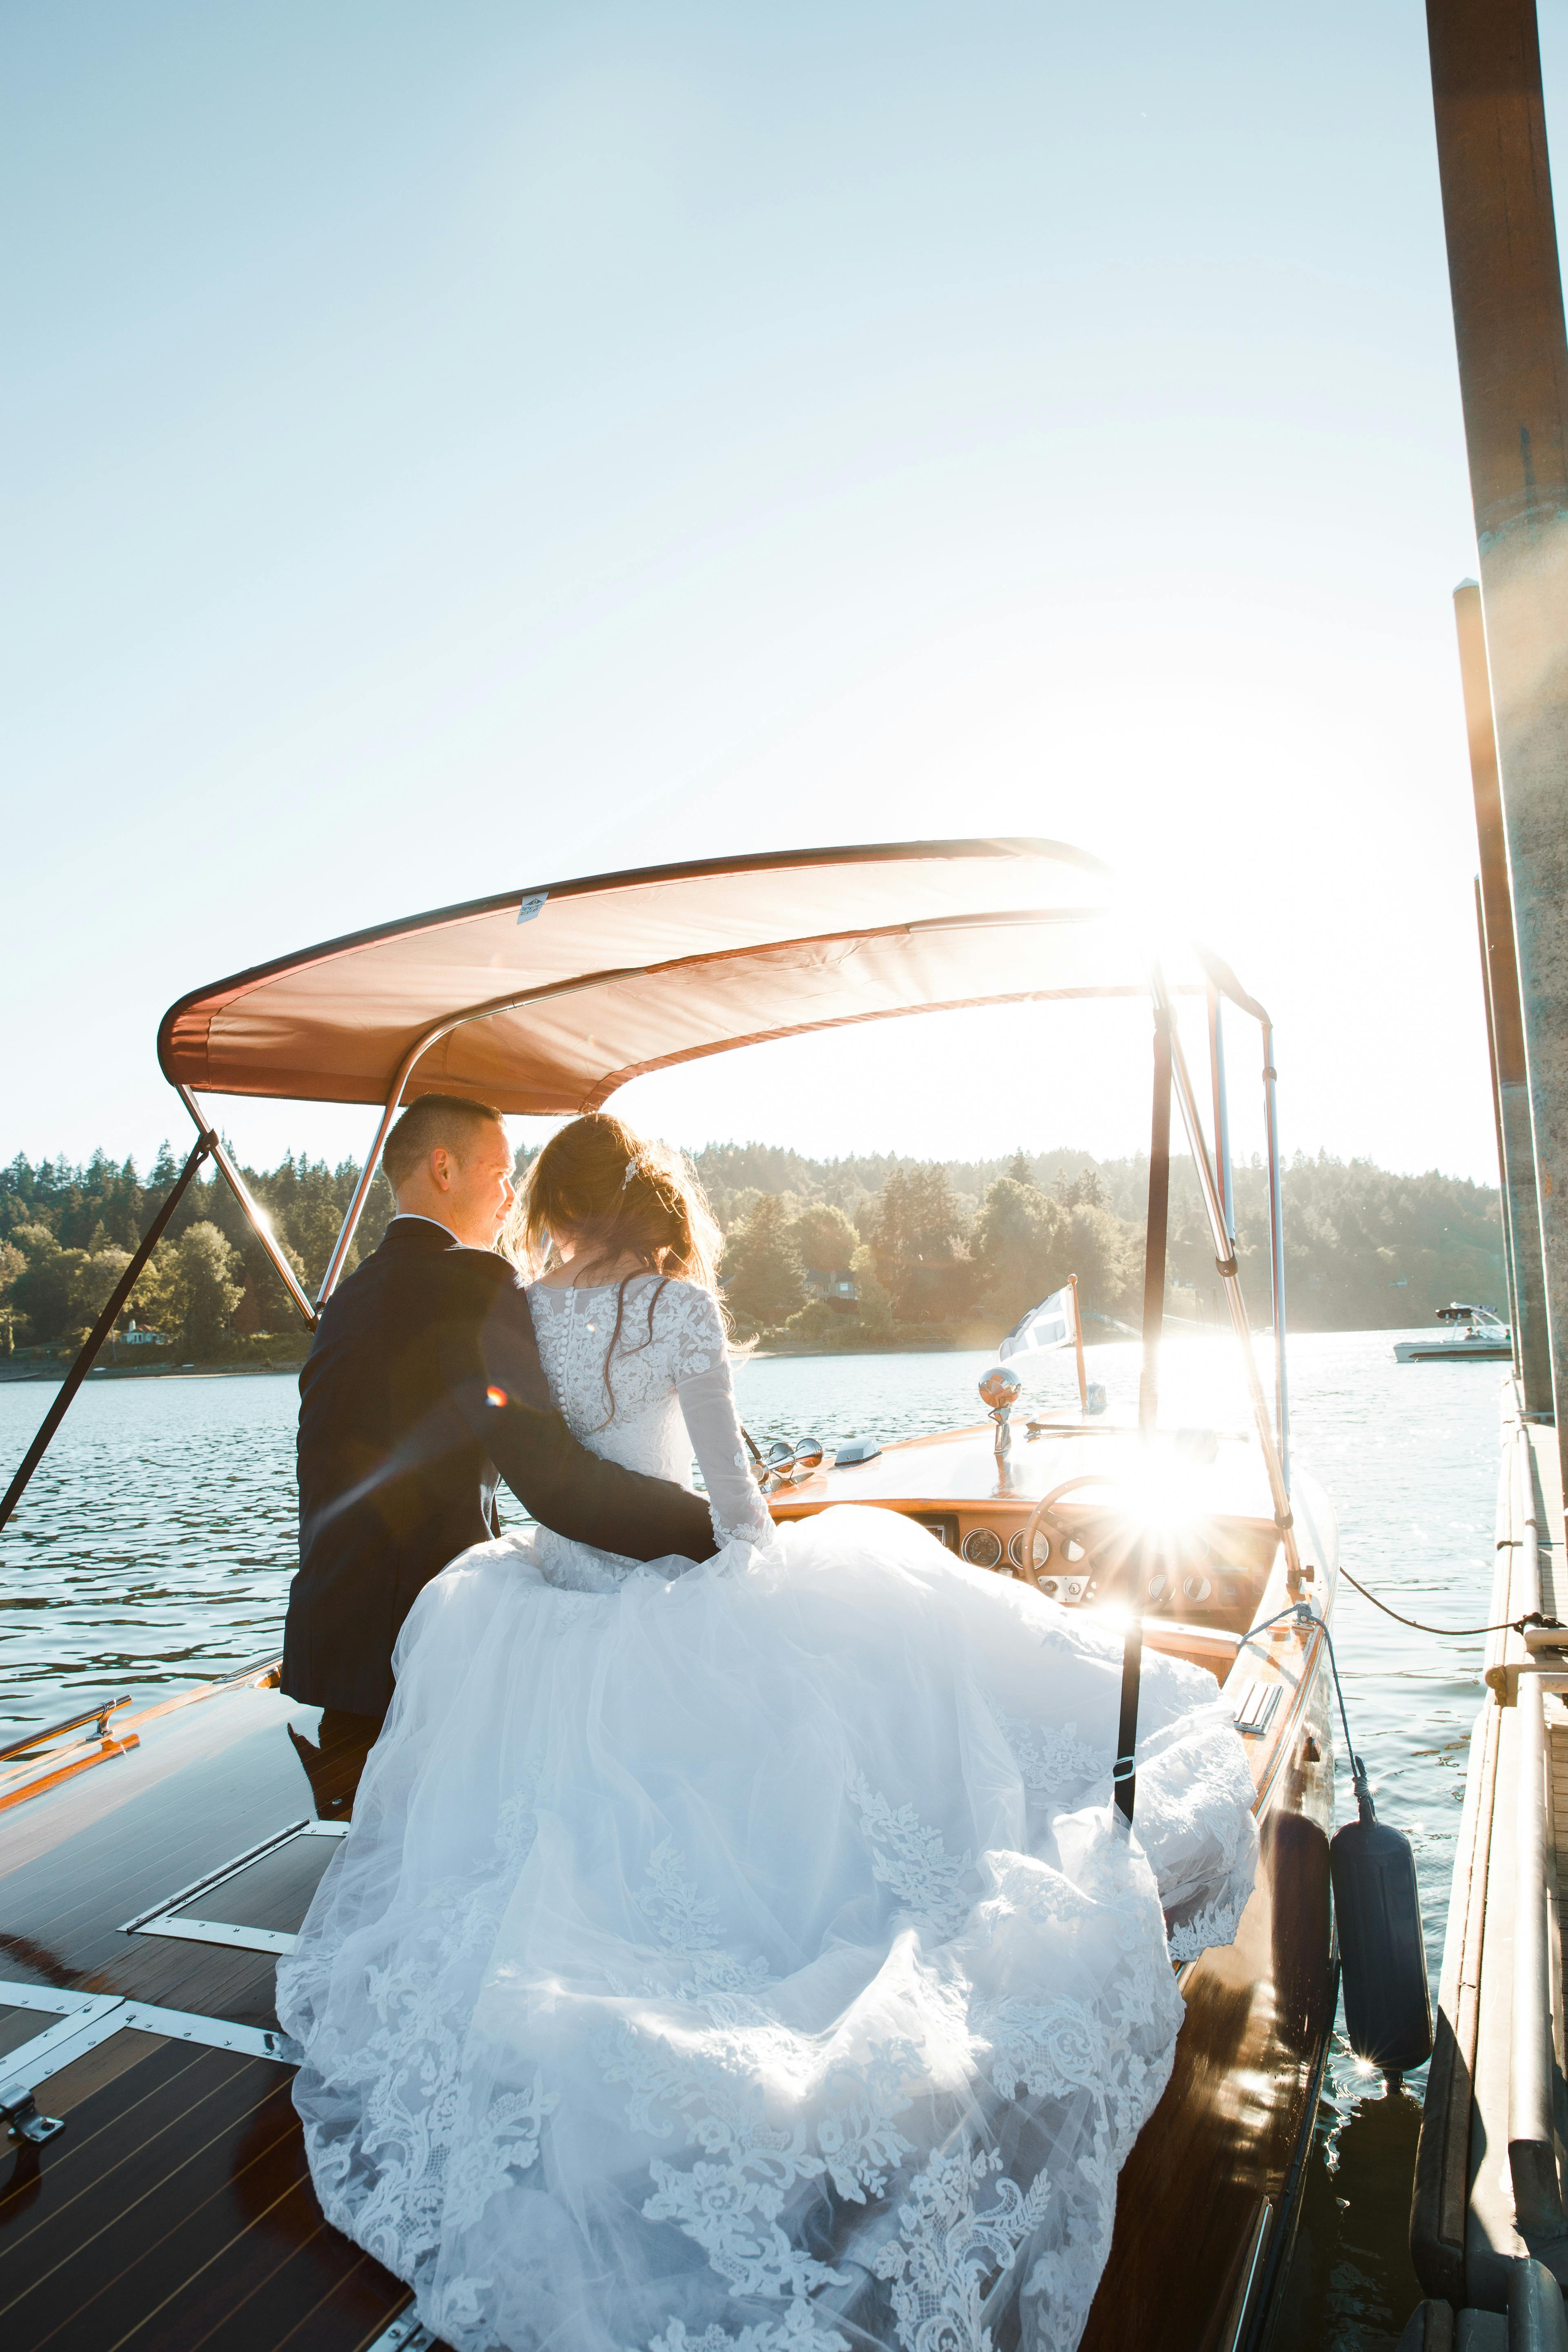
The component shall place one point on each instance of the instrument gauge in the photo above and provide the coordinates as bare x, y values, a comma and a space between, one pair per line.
981, 1548
1015, 1551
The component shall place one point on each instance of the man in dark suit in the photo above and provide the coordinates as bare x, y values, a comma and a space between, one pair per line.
424, 1383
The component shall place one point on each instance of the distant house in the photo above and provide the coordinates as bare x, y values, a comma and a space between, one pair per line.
133, 1338
841, 1290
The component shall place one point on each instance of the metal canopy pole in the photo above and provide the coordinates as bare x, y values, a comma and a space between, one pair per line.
254, 1215
1156, 1232
1510, 1076
1277, 1252
1124, 1778
104, 1326
405, 1068
1221, 1110
333, 1274
1225, 1266
1513, 381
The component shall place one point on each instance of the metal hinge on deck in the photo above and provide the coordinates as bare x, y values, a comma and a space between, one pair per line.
24, 2121
405, 2333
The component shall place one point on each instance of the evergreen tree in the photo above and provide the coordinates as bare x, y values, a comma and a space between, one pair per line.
191, 1289
14, 1325
1020, 1247
825, 1240
762, 1268
890, 1238
1363, 1247
939, 1279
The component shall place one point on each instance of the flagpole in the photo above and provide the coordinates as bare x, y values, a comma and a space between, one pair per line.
1078, 1341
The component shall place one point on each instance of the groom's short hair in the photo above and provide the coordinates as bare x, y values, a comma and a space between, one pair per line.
449, 1119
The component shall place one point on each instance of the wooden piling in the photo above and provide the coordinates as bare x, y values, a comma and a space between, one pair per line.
1513, 378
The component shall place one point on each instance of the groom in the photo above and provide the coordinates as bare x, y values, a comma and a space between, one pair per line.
423, 1383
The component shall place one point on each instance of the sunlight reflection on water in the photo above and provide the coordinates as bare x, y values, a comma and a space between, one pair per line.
156, 1544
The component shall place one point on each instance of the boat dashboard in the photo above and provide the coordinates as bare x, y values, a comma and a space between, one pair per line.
1080, 1511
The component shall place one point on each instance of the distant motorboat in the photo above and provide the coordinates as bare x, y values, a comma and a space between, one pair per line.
1480, 1331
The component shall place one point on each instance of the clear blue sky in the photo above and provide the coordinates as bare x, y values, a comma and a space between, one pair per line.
451, 448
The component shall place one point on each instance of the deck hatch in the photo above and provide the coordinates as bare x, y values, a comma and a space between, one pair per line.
81, 2020
275, 1878
85, 2019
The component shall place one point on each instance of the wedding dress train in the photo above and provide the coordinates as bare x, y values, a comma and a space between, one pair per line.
751, 1957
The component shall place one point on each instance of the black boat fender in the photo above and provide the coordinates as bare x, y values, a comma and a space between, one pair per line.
1377, 1913
1382, 1953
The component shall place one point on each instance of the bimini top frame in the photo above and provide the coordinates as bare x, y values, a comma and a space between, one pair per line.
546, 1000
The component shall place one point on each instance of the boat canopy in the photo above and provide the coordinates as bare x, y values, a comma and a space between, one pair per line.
545, 1000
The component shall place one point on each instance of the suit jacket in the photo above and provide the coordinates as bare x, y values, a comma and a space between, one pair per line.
401, 1441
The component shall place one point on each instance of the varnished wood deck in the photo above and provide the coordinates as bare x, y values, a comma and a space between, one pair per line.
176, 2210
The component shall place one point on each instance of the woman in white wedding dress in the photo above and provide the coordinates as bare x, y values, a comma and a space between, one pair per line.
746, 1955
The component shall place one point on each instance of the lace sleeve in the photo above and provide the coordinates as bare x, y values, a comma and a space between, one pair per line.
707, 1400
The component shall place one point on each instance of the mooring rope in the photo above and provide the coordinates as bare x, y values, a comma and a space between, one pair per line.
1452, 1632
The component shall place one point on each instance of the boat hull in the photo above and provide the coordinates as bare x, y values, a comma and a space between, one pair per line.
1452, 1352
1206, 2207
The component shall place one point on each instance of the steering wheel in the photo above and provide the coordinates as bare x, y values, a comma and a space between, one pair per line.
1101, 1557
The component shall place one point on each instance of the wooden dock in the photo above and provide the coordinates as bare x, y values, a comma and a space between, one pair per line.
1489, 2232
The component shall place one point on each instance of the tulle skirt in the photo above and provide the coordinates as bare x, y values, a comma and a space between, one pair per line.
754, 1959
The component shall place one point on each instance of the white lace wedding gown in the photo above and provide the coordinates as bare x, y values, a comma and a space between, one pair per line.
748, 1955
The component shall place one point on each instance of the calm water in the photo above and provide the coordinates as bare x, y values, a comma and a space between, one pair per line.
155, 1548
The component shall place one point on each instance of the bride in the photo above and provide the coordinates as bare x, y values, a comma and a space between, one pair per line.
745, 1955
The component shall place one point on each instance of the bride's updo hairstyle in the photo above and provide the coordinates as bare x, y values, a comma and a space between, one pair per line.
619, 1196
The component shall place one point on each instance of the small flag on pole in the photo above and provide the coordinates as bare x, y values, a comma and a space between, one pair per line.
1053, 1323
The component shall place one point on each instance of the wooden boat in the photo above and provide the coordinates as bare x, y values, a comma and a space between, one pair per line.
154, 1862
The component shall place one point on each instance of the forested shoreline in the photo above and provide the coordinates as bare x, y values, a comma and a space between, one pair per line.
865, 1252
